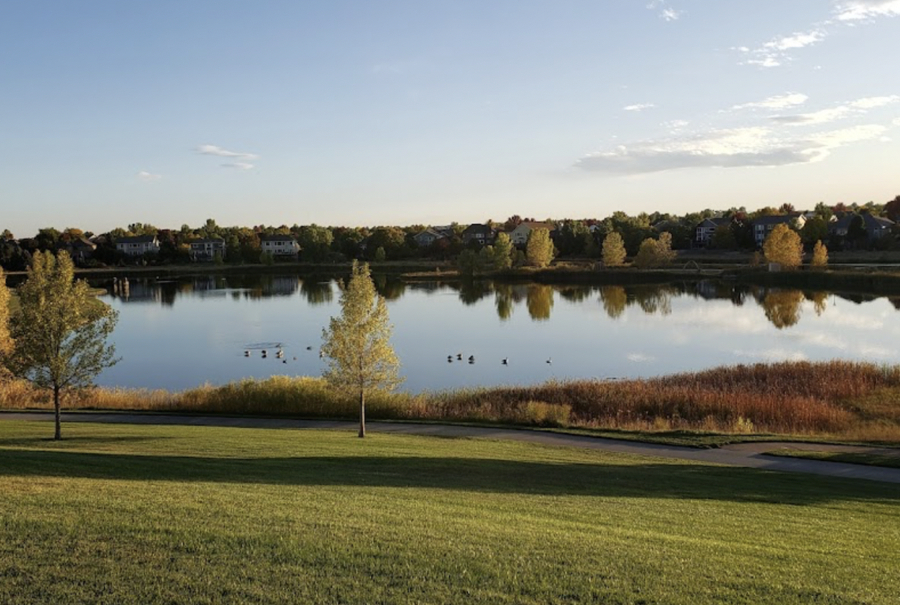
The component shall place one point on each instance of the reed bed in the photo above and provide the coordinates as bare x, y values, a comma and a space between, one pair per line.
849, 400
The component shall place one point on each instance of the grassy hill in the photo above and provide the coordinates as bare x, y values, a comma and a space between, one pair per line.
154, 514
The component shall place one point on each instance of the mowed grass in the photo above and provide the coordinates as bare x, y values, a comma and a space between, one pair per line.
161, 514
889, 459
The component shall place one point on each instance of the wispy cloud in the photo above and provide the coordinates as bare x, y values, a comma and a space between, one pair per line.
238, 165
725, 148
843, 14
640, 357
774, 52
791, 99
148, 176
861, 10
638, 107
224, 153
665, 10
823, 116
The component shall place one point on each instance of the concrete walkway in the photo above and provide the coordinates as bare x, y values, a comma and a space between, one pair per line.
750, 455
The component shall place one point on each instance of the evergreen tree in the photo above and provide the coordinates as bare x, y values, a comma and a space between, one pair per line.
357, 344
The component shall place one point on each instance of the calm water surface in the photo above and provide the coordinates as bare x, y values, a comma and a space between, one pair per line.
185, 332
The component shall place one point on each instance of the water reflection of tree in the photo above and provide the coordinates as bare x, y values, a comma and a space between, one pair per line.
540, 301
575, 293
782, 307
819, 301
316, 292
473, 290
503, 299
614, 300
389, 288
654, 299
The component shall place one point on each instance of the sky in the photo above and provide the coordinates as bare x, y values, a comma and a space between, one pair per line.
364, 113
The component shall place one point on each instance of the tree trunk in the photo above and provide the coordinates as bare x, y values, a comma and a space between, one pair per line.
58, 434
362, 413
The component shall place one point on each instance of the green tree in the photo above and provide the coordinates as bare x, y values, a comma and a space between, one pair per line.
819, 256
814, 230
783, 246
503, 249
60, 330
723, 239
613, 253
655, 252
357, 344
380, 254
539, 249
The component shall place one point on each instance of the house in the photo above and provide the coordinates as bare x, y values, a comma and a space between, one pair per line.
138, 245
81, 249
703, 233
519, 235
427, 237
876, 227
207, 249
483, 234
279, 245
764, 225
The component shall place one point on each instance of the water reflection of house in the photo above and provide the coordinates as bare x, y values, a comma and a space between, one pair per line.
141, 291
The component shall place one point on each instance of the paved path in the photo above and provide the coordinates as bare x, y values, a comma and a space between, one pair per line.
749, 455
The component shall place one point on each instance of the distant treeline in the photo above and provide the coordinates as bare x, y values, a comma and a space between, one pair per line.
732, 229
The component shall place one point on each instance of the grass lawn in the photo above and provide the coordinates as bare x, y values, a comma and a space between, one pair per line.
889, 460
159, 514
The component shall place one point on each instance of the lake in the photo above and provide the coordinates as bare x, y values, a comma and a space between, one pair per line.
183, 332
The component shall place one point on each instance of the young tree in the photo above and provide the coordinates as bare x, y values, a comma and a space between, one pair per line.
613, 253
819, 256
783, 246
357, 344
6, 342
539, 249
502, 252
60, 330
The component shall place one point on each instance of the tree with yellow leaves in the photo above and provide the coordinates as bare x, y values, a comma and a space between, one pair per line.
357, 344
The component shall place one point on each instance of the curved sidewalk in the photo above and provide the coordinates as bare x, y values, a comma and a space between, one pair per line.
744, 455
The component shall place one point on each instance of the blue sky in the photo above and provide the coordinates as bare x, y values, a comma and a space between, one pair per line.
399, 112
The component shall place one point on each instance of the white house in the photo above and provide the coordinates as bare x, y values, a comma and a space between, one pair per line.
138, 245
206, 249
519, 235
279, 245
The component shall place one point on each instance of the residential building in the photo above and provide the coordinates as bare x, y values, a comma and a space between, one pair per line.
483, 234
876, 226
519, 235
764, 225
138, 245
279, 245
427, 237
207, 249
704, 232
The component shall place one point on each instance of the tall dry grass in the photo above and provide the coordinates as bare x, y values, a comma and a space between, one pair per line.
843, 399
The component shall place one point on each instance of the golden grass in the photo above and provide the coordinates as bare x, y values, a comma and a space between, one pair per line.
854, 401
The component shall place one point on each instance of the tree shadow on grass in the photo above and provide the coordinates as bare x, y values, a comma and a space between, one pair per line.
658, 480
